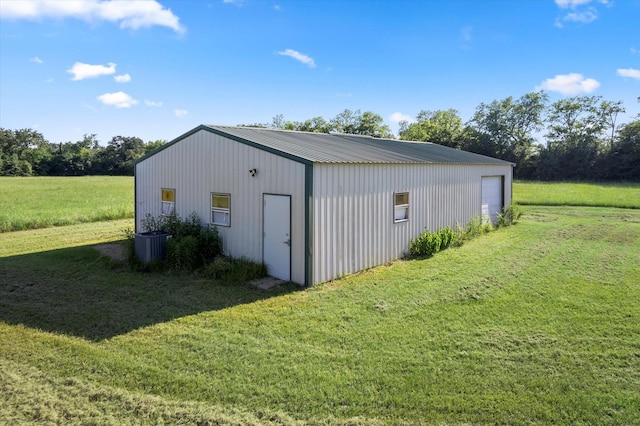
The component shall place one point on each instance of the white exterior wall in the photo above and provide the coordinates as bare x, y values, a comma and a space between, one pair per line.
353, 227
203, 163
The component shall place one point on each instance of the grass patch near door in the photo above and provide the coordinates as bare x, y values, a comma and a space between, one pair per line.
535, 323
41, 202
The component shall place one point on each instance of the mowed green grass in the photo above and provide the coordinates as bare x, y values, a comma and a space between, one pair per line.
538, 323
40, 202
625, 195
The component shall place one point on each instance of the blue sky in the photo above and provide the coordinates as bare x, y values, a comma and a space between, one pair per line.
156, 69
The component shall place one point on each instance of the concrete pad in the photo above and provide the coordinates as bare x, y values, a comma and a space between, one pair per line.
266, 283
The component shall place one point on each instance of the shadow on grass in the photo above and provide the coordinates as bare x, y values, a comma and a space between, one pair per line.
78, 291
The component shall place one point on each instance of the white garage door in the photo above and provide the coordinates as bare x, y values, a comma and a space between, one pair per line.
491, 198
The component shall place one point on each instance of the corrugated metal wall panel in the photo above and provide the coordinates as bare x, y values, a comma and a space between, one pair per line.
353, 209
204, 163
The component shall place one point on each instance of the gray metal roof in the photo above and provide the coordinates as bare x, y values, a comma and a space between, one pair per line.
342, 148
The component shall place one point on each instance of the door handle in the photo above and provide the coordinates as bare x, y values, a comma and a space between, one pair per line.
288, 242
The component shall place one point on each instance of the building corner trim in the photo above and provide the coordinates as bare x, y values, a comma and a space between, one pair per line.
308, 224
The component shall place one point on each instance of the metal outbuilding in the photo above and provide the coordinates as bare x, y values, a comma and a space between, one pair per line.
317, 206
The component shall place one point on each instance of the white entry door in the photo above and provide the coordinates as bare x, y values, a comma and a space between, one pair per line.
491, 198
276, 242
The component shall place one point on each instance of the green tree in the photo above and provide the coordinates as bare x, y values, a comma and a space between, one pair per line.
357, 123
76, 158
509, 125
443, 127
151, 146
118, 157
278, 122
372, 124
23, 152
346, 122
315, 125
611, 110
349, 122
255, 125
576, 138
622, 161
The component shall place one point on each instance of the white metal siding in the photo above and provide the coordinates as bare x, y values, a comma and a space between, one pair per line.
353, 209
203, 163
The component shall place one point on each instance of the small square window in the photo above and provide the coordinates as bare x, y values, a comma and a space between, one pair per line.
168, 201
400, 206
221, 209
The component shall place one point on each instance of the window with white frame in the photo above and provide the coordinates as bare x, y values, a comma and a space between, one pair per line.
400, 206
168, 201
221, 209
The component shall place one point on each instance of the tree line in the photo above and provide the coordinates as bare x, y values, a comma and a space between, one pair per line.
26, 152
576, 138
581, 137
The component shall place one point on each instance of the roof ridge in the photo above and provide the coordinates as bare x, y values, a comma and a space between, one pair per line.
336, 148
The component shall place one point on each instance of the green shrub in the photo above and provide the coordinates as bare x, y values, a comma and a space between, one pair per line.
182, 253
219, 268
174, 225
448, 236
429, 243
209, 244
191, 245
130, 248
509, 215
474, 228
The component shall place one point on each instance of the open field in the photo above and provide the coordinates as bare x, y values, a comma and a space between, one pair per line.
625, 195
538, 323
40, 202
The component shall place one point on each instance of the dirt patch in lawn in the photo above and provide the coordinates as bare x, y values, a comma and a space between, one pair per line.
115, 251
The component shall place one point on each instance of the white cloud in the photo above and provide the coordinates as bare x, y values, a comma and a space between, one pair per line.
579, 11
629, 72
572, 4
180, 112
585, 17
565, 4
397, 117
81, 71
124, 78
129, 13
277, 7
301, 57
569, 84
152, 103
466, 33
117, 99
36, 60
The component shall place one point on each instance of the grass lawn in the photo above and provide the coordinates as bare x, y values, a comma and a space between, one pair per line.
538, 323
40, 202
625, 195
